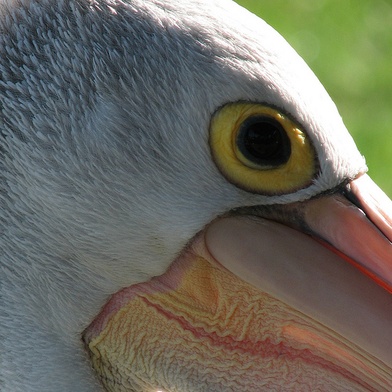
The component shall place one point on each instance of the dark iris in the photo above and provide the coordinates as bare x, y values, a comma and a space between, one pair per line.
263, 141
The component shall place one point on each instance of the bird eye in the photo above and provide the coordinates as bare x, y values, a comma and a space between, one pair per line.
264, 141
261, 149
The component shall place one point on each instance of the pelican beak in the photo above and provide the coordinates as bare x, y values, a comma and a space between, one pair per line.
258, 305
361, 232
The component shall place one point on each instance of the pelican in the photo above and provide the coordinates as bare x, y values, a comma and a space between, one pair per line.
182, 208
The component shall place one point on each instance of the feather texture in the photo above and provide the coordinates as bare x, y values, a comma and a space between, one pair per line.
105, 166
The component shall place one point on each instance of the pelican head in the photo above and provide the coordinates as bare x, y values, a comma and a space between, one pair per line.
181, 208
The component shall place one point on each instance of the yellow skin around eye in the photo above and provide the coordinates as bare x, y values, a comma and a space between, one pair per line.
296, 173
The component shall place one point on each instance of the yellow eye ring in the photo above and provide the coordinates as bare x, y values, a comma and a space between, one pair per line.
276, 156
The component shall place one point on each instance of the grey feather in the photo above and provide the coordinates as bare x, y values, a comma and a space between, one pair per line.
105, 170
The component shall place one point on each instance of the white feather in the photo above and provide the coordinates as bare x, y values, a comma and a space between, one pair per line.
105, 166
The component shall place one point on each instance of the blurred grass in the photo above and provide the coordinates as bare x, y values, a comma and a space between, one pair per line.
348, 44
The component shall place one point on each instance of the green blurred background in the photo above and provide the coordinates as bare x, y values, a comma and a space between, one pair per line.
348, 44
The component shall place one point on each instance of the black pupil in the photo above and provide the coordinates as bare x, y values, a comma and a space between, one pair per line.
264, 141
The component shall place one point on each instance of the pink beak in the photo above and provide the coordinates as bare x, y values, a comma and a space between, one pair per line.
310, 277
262, 304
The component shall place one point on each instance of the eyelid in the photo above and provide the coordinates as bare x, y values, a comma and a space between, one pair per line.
299, 170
